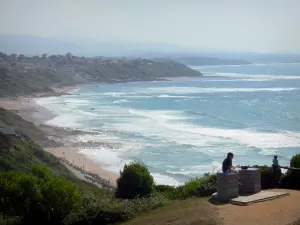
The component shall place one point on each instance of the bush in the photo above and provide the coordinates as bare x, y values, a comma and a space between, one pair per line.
36, 198
135, 181
295, 161
291, 180
164, 188
10, 221
200, 187
197, 187
99, 209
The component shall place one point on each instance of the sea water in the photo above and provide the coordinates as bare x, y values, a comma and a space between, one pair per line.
184, 128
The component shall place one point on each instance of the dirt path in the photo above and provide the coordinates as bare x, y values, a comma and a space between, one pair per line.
281, 211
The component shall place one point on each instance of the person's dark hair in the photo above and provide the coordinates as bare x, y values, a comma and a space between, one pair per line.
229, 154
275, 156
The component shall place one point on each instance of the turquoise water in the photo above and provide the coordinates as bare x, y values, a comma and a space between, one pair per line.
185, 127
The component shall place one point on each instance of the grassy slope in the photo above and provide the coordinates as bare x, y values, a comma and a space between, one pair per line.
135, 70
20, 153
14, 83
191, 211
21, 126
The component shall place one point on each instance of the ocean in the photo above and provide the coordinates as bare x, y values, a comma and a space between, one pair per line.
184, 128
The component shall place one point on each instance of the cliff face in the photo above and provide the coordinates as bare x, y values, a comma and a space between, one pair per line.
11, 123
18, 151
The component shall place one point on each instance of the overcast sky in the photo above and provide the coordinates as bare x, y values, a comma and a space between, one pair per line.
252, 25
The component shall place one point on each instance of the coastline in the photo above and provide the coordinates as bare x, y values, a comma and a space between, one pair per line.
69, 154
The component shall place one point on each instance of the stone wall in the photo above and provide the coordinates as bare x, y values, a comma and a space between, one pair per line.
228, 186
250, 180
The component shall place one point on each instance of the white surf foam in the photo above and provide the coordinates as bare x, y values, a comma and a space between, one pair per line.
171, 126
66, 110
110, 160
120, 101
256, 76
158, 115
162, 179
195, 90
197, 170
99, 137
247, 137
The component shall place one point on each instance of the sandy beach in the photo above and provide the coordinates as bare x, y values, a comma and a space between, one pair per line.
27, 108
77, 159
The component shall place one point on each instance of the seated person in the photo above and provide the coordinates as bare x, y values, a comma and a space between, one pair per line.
227, 163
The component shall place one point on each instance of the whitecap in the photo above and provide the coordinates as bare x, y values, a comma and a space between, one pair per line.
195, 90
166, 180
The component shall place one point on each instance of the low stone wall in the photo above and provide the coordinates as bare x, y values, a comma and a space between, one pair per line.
227, 186
250, 180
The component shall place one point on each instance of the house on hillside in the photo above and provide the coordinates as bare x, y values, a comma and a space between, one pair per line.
26, 69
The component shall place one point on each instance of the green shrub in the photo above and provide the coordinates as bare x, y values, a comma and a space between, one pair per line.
291, 180
34, 199
10, 221
164, 188
295, 161
197, 187
99, 209
200, 187
169, 192
135, 181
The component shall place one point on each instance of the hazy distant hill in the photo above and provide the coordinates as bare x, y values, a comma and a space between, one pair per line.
34, 45
252, 57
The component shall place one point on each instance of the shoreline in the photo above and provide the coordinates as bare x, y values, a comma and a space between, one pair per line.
69, 155
59, 137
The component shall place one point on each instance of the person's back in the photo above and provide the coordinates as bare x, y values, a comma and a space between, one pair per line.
227, 163
276, 172
275, 162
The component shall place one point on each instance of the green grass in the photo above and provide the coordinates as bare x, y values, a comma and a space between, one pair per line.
191, 211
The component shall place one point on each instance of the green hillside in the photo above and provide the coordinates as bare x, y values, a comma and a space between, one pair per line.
19, 151
21, 126
20, 75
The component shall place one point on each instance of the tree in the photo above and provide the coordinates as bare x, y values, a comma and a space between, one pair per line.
2, 55
53, 57
21, 57
19, 193
69, 56
135, 181
44, 56
291, 180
